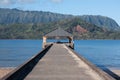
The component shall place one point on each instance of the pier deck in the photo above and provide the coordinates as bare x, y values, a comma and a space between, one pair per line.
60, 63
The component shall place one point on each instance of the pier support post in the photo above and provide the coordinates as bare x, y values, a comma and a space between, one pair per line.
44, 41
71, 43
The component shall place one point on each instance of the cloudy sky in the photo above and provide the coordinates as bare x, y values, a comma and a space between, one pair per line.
108, 8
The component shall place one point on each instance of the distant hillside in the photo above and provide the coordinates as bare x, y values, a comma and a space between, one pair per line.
8, 16
79, 28
74, 26
101, 21
12, 16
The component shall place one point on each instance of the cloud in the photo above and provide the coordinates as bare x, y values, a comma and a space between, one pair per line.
26, 1
6, 2
12, 2
57, 1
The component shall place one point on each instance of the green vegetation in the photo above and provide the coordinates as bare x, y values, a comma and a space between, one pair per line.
101, 21
36, 31
13, 16
18, 24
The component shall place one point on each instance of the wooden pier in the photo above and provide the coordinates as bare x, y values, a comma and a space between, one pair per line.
60, 63
57, 61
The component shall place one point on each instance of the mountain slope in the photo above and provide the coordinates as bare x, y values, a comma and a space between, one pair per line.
12, 16
101, 21
8, 16
75, 26
79, 28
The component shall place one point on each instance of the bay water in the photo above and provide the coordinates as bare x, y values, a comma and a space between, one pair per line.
15, 52
102, 53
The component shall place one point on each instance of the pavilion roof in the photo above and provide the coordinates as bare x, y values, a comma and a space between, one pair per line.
58, 33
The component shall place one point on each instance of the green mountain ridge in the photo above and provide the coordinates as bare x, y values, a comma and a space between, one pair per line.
77, 27
18, 24
101, 21
11, 16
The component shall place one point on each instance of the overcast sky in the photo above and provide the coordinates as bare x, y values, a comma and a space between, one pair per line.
109, 8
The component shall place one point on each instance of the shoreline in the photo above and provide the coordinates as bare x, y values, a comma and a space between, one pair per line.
5, 70
115, 70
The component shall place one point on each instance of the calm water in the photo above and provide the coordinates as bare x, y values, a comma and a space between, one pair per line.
15, 52
103, 53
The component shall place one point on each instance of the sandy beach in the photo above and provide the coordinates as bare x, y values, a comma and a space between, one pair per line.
4, 71
116, 71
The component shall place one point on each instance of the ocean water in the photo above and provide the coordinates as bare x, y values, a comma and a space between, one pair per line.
15, 52
102, 53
